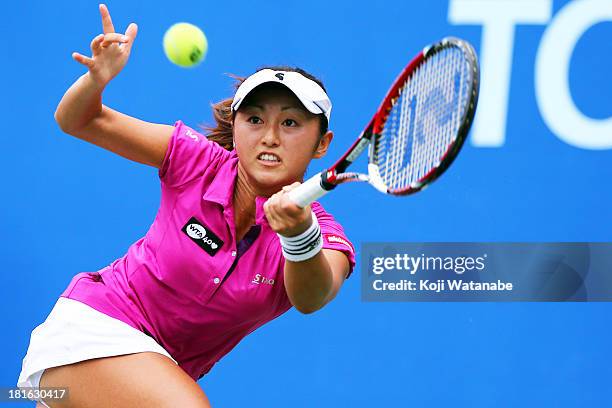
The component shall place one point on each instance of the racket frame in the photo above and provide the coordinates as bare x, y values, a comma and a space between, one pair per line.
328, 179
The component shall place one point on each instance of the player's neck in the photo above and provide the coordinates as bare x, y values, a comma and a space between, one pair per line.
244, 200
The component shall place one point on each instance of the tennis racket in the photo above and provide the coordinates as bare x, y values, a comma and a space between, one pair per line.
418, 129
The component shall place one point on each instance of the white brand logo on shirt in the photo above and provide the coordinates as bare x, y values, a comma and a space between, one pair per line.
335, 238
257, 279
192, 135
197, 231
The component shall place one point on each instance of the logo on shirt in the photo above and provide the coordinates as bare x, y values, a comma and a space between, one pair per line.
203, 236
257, 279
192, 135
336, 239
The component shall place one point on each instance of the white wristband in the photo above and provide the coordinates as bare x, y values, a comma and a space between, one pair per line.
303, 246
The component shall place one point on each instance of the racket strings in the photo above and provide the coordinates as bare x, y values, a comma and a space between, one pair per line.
424, 120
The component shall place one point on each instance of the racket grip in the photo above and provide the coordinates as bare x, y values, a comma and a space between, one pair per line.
308, 191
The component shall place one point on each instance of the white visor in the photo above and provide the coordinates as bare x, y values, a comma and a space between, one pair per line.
312, 96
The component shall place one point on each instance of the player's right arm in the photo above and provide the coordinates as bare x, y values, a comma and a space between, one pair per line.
81, 113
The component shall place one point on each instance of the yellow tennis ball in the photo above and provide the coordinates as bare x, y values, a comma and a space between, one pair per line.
185, 44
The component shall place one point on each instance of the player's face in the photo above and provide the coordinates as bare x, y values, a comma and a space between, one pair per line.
275, 138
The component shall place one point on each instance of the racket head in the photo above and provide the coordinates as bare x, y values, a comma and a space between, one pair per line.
424, 119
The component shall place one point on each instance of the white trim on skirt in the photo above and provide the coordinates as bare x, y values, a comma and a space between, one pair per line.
74, 332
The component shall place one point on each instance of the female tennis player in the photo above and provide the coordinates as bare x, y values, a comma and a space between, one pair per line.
226, 253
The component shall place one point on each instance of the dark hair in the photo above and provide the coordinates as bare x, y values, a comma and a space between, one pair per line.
222, 111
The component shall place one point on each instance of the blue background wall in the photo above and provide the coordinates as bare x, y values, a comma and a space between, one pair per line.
69, 206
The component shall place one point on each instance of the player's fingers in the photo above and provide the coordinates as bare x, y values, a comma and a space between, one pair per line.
131, 33
286, 206
95, 44
107, 23
282, 205
278, 214
273, 218
132, 30
112, 38
269, 206
291, 186
88, 62
275, 202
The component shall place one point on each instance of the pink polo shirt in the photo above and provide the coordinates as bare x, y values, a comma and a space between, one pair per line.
187, 282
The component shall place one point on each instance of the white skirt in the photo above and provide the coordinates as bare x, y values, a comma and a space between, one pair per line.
74, 332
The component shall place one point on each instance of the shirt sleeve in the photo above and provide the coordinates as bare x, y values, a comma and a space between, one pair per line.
188, 155
333, 235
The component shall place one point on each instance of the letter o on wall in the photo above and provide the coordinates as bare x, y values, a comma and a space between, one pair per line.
552, 76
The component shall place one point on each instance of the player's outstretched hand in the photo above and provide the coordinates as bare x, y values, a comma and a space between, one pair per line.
284, 216
110, 51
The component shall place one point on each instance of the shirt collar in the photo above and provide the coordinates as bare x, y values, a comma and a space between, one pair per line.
221, 188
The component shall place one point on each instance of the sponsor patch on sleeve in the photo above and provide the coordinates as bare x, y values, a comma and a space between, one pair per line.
336, 239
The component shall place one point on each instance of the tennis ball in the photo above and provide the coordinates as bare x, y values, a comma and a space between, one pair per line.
185, 44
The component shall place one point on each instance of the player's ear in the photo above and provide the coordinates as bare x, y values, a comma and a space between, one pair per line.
323, 144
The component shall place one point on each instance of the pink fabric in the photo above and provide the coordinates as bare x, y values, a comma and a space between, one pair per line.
191, 302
